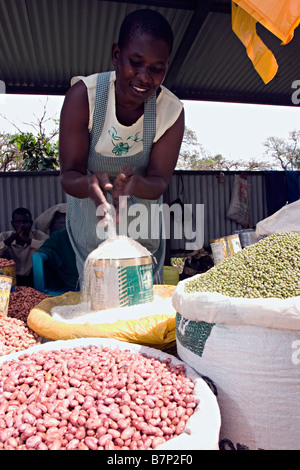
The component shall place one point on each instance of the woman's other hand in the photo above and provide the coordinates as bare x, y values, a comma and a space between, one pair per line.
122, 188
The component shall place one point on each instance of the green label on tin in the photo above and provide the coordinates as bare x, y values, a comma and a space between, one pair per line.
135, 284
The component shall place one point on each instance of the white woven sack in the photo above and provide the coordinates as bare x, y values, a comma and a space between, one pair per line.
202, 428
286, 219
252, 366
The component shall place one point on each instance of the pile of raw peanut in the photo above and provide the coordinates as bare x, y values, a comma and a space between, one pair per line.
14, 332
92, 398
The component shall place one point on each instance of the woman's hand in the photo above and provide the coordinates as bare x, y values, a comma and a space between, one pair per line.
98, 185
122, 188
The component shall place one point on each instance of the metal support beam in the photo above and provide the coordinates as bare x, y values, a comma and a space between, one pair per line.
179, 4
192, 30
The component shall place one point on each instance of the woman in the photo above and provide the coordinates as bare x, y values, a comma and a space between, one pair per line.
120, 135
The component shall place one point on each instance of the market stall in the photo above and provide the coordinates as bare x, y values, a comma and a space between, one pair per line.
72, 380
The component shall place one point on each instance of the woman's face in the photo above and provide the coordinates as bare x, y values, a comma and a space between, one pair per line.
141, 66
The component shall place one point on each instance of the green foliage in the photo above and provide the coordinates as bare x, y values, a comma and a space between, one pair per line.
39, 154
10, 156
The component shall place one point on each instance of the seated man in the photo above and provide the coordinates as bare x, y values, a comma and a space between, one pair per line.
20, 243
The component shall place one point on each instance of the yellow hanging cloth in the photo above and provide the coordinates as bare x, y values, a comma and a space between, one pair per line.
280, 17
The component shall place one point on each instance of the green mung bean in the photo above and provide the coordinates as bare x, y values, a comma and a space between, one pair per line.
268, 268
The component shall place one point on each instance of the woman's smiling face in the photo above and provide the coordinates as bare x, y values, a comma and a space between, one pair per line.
141, 66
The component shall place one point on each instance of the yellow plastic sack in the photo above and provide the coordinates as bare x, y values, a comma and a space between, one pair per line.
157, 330
280, 17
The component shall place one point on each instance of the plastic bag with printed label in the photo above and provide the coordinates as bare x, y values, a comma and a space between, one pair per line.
239, 208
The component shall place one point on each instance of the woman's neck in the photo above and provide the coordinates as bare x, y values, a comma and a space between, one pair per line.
128, 116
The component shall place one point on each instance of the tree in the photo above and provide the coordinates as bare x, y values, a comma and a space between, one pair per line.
38, 153
286, 153
194, 157
11, 158
30, 151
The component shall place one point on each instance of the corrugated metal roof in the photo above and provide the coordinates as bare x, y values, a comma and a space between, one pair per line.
46, 42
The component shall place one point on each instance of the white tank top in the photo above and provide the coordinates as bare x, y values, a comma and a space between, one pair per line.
118, 140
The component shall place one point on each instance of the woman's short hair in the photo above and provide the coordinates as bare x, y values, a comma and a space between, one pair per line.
145, 21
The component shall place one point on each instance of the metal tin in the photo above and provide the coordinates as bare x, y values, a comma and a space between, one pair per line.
247, 237
121, 282
5, 287
233, 244
219, 249
11, 272
224, 247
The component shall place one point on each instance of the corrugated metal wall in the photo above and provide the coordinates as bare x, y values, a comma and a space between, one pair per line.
39, 191
214, 192
35, 190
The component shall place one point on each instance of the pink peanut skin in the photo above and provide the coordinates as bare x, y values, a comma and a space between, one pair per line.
92, 398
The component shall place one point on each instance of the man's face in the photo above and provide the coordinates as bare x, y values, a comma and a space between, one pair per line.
141, 66
22, 222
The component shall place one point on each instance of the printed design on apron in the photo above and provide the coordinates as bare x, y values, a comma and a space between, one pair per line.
121, 146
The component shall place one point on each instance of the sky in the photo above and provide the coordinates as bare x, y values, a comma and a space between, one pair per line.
236, 131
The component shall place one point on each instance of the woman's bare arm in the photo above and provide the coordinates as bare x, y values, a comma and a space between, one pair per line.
74, 143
